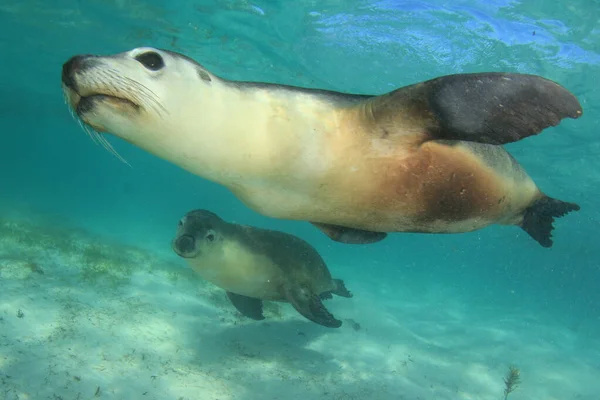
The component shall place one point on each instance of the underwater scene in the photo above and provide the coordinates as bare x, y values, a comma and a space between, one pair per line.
279, 200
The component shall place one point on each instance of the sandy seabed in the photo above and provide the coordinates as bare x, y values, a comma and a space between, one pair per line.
86, 319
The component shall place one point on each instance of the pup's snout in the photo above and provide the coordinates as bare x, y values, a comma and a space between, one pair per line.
184, 244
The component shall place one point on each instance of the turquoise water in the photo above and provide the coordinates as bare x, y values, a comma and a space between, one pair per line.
50, 168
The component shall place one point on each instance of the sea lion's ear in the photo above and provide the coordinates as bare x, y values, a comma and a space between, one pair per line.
492, 107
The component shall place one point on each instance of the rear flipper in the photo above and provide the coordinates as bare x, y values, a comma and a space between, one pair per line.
248, 306
310, 306
538, 218
490, 107
340, 290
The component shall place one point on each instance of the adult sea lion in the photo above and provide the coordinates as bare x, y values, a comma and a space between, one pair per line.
253, 264
423, 158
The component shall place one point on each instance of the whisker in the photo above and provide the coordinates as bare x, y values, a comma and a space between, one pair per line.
112, 150
151, 94
107, 146
87, 131
96, 137
76, 118
137, 91
114, 83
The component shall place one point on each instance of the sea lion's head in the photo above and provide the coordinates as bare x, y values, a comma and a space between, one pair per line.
140, 90
197, 231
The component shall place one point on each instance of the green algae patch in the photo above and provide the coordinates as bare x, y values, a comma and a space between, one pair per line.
103, 262
31, 247
19, 269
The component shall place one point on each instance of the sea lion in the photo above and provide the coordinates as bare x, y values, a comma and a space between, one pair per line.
427, 157
253, 264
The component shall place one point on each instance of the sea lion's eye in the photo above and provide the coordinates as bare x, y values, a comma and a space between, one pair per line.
210, 235
151, 60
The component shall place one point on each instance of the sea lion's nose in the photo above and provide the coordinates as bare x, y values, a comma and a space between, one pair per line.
185, 244
71, 67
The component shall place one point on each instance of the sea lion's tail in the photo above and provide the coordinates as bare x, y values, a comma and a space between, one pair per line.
539, 217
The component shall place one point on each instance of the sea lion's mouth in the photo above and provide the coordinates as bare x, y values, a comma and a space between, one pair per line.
83, 104
83, 107
87, 103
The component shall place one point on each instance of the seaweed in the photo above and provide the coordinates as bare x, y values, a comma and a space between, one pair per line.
512, 380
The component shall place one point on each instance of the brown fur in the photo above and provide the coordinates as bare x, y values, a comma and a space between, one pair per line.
398, 181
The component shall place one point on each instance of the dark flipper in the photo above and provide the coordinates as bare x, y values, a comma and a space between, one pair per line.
340, 290
326, 296
249, 306
538, 218
349, 235
492, 107
310, 306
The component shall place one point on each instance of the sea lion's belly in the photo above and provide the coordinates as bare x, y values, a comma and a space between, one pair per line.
237, 269
442, 187
432, 187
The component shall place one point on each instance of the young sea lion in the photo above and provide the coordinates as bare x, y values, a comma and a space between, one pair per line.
253, 264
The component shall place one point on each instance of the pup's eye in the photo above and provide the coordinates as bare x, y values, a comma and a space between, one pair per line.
151, 60
210, 237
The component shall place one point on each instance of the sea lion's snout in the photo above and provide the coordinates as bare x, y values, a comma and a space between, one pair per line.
185, 245
73, 66
68, 71
98, 96
78, 96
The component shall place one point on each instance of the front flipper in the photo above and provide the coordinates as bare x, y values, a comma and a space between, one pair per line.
349, 235
310, 306
490, 107
249, 306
